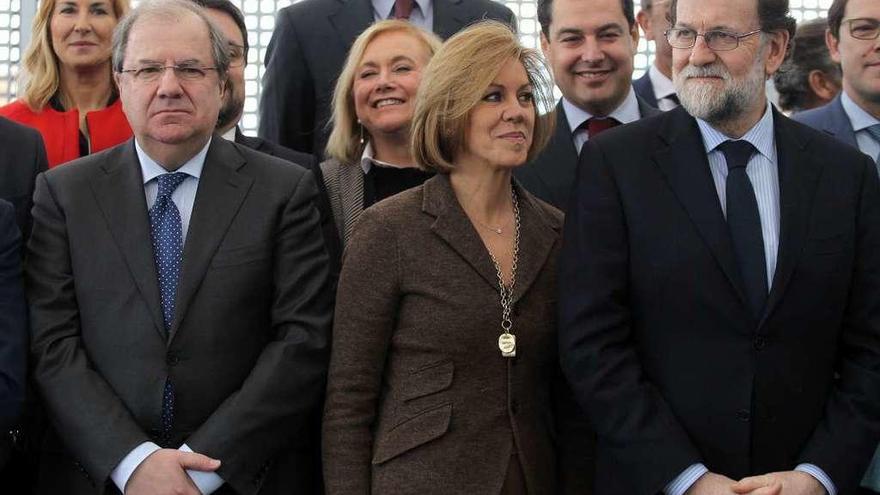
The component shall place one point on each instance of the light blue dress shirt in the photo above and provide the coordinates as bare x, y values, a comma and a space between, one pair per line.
763, 173
422, 14
184, 198
626, 112
861, 120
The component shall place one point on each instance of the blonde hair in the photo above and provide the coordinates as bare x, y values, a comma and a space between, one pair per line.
41, 76
454, 83
344, 143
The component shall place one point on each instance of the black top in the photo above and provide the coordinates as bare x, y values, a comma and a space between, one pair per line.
55, 103
384, 182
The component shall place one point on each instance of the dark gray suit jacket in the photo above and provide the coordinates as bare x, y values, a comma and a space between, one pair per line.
22, 157
645, 90
247, 351
308, 49
831, 119
13, 323
551, 175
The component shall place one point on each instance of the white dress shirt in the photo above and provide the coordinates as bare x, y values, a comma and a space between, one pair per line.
626, 112
184, 198
663, 89
422, 14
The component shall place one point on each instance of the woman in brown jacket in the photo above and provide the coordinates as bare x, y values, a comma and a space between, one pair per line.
444, 375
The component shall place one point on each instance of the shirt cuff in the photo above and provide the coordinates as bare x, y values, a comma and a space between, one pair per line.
206, 481
816, 472
129, 463
684, 480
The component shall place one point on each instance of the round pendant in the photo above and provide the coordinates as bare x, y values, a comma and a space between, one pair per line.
507, 344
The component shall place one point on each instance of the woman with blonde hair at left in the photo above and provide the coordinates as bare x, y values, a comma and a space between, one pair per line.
444, 375
69, 95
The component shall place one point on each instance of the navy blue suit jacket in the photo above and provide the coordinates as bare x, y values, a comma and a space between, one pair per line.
645, 90
13, 320
830, 119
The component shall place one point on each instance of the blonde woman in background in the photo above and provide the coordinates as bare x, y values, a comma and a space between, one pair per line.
68, 94
369, 155
444, 375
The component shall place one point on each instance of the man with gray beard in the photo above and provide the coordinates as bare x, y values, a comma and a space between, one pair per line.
720, 281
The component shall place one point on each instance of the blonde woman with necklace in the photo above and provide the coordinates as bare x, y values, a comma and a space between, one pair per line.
444, 375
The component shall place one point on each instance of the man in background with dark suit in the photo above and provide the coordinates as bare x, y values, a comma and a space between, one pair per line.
309, 46
22, 157
178, 288
853, 117
13, 328
590, 45
655, 86
720, 281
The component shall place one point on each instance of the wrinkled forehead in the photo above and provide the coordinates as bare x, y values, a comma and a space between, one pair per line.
728, 15
160, 38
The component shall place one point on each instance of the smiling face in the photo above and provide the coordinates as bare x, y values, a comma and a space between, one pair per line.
590, 48
386, 82
82, 32
859, 59
170, 112
500, 127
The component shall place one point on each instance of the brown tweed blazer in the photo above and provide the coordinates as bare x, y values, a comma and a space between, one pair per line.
420, 400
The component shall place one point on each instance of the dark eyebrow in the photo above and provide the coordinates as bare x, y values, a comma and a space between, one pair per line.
564, 31
611, 25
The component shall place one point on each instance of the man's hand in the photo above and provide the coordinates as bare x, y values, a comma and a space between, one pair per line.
782, 483
711, 484
164, 473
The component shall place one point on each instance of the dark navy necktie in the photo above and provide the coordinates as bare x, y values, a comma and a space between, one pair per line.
744, 223
874, 131
166, 231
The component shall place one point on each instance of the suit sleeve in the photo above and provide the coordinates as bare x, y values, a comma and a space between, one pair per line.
844, 441
13, 322
287, 105
93, 422
635, 425
283, 391
366, 310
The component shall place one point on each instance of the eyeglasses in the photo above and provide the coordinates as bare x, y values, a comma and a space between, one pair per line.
716, 40
237, 55
152, 73
864, 28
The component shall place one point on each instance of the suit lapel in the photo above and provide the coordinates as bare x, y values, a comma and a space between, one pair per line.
686, 167
453, 226
557, 164
448, 17
351, 19
119, 191
839, 125
798, 177
220, 193
538, 233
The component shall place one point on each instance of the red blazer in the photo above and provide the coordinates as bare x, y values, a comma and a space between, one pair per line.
60, 130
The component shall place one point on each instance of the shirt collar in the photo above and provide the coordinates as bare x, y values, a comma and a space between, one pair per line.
230, 134
367, 160
757, 135
663, 86
385, 7
150, 169
627, 112
858, 117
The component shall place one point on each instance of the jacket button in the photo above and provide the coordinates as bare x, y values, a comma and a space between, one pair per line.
743, 415
760, 342
172, 359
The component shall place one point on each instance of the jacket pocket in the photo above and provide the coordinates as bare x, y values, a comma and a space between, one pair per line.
418, 430
431, 379
241, 255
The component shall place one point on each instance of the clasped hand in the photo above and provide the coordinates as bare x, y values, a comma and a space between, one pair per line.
164, 473
781, 483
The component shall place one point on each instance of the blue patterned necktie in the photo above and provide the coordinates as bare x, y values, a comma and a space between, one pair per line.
874, 130
166, 232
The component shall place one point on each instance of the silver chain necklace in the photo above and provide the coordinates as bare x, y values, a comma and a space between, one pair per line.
507, 340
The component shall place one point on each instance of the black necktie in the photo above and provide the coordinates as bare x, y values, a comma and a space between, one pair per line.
674, 99
744, 222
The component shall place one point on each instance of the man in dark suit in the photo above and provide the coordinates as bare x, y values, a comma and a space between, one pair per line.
23, 157
178, 288
853, 117
13, 326
655, 86
309, 46
590, 45
719, 305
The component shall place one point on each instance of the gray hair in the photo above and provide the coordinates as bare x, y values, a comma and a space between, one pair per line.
169, 9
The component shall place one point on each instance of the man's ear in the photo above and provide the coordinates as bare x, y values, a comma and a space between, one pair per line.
833, 45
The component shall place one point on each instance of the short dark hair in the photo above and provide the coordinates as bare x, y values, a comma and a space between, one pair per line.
773, 15
835, 16
228, 7
808, 53
545, 14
